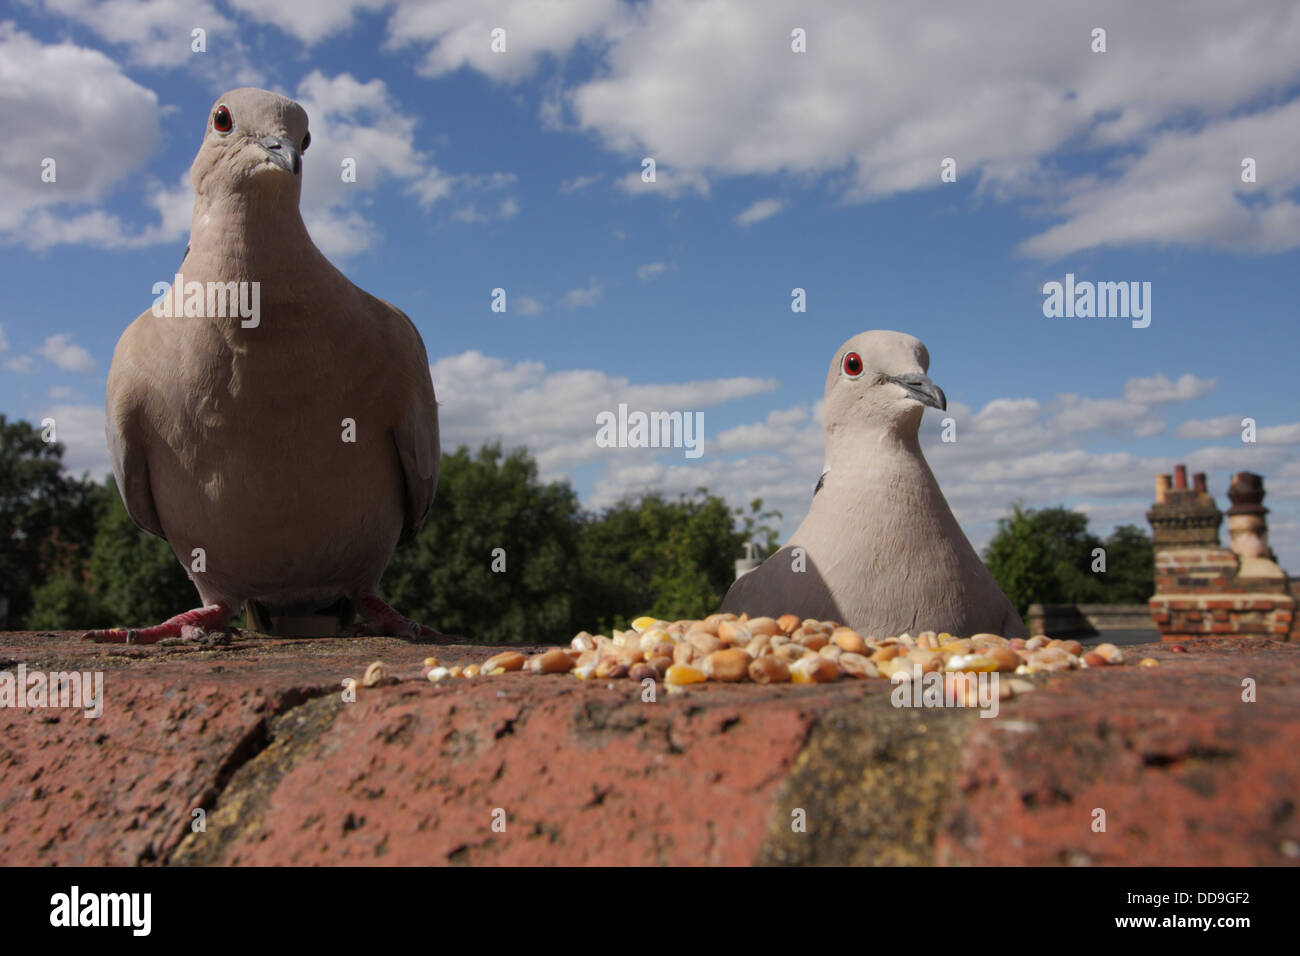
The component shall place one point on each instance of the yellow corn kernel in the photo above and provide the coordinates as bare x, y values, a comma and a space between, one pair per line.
684, 674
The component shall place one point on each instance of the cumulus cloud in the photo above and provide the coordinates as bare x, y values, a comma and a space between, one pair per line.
362, 122
651, 270
579, 183
308, 22
63, 353
95, 142
668, 183
1001, 87
1220, 427
1279, 434
80, 429
158, 34
458, 33
527, 305
1157, 389
583, 297
757, 212
553, 413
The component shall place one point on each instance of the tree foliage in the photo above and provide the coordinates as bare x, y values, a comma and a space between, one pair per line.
669, 558
486, 502
47, 518
130, 579
1046, 556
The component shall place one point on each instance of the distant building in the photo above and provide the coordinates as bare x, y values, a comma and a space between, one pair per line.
1204, 589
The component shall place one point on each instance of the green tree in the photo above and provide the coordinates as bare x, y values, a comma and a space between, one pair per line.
134, 576
1130, 576
672, 559
64, 602
487, 501
1044, 556
46, 517
131, 579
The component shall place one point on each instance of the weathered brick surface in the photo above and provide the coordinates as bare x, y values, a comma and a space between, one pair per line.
257, 735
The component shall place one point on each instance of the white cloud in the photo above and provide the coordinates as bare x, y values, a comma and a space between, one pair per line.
651, 270
62, 393
1278, 434
157, 34
1007, 413
1079, 414
458, 32
505, 209
1220, 427
579, 183
583, 297
668, 183
1186, 187
20, 364
60, 350
362, 122
527, 305
1186, 90
4, 342
757, 212
96, 141
554, 413
1158, 389
80, 429
308, 22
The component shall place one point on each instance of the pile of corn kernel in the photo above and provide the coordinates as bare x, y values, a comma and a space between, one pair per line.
766, 650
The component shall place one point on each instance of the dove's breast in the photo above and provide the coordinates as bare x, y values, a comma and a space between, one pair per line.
277, 459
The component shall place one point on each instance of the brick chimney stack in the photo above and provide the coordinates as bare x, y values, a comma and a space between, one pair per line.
1247, 525
1203, 589
1184, 517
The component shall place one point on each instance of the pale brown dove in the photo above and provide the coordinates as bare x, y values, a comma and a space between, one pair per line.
879, 549
281, 454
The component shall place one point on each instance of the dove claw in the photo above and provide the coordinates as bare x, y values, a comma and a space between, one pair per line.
382, 620
213, 616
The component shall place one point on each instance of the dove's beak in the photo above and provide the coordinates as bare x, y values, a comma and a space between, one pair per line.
920, 387
282, 152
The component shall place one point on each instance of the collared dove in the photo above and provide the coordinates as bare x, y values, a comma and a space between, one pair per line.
283, 455
880, 548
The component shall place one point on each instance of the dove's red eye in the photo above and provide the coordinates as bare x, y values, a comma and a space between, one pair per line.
853, 364
221, 120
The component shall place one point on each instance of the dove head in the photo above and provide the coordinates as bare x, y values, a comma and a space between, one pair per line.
252, 147
877, 389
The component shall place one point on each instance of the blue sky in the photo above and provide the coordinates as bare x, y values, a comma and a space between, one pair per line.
776, 170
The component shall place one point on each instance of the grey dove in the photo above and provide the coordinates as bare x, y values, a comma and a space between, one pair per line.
282, 455
879, 549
